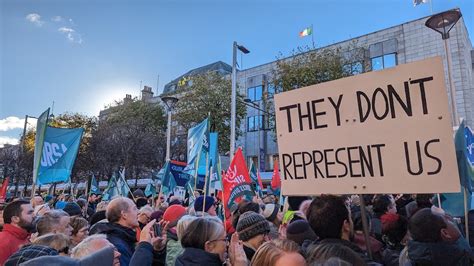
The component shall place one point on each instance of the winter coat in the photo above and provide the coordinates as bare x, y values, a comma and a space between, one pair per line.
197, 257
143, 255
11, 240
440, 253
173, 249
29, 252
123, 238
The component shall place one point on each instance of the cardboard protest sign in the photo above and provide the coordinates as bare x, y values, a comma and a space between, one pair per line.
386, 131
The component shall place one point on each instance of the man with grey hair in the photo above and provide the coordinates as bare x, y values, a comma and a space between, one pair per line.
93, 243
122, 216
56, 221
144, 215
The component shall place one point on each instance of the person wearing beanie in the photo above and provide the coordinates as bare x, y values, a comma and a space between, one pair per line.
73, 209
253, 229
209, 208
299, 231
272, 213
173, 247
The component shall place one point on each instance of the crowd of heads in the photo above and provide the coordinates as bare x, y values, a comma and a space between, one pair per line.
318, 230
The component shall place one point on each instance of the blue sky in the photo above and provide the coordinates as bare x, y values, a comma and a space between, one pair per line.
83, 54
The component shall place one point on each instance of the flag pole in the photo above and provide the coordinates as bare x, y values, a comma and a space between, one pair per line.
312, 36
466, 213
196, 164
205, 182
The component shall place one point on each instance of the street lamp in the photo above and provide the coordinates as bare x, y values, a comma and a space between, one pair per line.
170, 102
443, 23
234, 95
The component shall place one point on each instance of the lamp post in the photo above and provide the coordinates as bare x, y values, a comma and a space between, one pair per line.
234, 95
443, 23
170, 102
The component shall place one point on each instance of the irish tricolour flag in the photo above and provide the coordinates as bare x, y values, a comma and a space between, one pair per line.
306, 32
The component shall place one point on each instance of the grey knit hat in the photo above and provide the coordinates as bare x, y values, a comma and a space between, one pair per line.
252, 224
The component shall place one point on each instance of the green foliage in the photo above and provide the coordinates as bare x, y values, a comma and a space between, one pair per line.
209, 94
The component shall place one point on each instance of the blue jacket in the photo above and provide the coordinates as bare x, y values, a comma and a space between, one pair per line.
143, 255
123, 238
197, 257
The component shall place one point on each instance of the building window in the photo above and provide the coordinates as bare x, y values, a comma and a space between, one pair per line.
255, 93
254, 123
272, 89
384, 61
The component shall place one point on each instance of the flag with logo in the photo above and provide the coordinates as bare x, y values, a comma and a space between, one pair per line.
306, 32
60, 148
236, 182
41, 125
112, 190
94, 186
4, 189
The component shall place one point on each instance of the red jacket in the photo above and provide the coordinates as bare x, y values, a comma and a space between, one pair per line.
11, 239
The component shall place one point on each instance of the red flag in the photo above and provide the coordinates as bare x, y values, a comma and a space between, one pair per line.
3, 190
236, 181
276, 182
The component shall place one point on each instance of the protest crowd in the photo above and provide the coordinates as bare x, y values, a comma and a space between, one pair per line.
140, 230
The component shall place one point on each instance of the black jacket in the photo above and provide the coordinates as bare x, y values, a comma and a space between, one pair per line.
441, 253
122, 238
195, 257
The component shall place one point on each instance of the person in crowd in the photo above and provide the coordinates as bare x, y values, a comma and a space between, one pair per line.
122, 216
92, 204
294, 202
269, 198
40, 210
80, 230
395, 237
436, 240
104, 256
144, 215
204, 242
36, 201
272, 213
242, 207
99, 215
253, 230
205, 205
73, 209
175, 200
173, 246
278, 252
299, 231
330, 219
83, 205
402, 200
421, 201
18, 218
333, 254
55, 221
304, 206
375, 245
383, 205
93, 243
59, 242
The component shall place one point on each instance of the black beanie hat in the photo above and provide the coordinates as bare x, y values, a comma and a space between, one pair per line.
72, 209
252, 224
299, 231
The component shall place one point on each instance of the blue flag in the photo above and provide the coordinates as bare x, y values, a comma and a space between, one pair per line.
254, 177
168, 182
60, 149
150, 190
469, 145
94, 186
198, 146
122, 184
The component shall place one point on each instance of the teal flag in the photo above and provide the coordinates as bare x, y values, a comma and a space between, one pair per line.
94, 186
254, 177
198, 146
122, 185
112, 190
41, 125
150, 190
453, 203
60, 149
168, 181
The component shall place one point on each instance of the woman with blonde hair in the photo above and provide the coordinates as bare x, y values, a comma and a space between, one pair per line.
278, 252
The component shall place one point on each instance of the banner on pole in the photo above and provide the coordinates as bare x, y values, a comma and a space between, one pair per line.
41, 125
384, 131
60, 149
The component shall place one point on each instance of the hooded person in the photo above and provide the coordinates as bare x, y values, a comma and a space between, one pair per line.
253, 230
